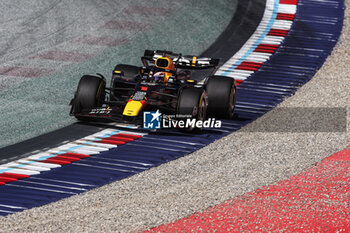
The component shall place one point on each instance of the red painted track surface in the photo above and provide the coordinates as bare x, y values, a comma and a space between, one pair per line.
317, 200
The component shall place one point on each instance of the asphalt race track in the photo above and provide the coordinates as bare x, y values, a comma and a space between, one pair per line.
146, 151
232, 166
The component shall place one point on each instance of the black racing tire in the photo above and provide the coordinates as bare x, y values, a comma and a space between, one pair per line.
222, 95
193, 101
90, 94
127, 80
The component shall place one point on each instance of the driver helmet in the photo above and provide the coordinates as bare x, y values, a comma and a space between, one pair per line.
159, 77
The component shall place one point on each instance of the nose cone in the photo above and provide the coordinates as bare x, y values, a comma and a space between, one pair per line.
133, 108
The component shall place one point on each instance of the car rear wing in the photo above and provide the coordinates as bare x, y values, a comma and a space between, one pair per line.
182, 62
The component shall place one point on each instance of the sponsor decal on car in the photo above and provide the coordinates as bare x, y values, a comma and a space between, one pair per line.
104, 110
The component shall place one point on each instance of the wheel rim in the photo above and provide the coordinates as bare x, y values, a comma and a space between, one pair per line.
201, 110
232, 102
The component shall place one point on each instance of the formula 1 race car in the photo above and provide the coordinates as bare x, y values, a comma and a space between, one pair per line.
165, 83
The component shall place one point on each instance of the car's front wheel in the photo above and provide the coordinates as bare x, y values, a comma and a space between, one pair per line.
90, 94
193, 103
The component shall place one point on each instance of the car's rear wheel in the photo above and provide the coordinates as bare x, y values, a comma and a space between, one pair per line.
124, 76
193, 102
222, 95
90, 94
125, 72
